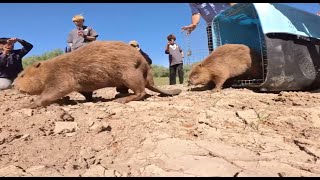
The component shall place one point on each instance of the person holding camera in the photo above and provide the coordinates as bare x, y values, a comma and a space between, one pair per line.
79, 37
175, 59
11, 60
208, 12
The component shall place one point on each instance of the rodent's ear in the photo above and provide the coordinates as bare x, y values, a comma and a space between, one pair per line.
36, 65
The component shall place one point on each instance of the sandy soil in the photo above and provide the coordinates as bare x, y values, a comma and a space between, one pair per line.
236, 132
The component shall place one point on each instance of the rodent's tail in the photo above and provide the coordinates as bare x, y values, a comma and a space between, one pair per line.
151, 86
169, 92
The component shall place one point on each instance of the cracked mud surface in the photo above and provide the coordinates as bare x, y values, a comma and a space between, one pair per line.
232, 133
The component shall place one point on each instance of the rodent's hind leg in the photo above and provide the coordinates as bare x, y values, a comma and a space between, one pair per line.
137, 85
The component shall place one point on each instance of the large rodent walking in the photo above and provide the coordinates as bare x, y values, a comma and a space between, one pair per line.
226, 61
97, 65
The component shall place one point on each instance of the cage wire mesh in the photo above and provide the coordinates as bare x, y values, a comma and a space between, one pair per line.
202, 41
196, 45
245, 30
242, 26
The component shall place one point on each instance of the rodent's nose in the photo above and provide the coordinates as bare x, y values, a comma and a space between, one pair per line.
12, 84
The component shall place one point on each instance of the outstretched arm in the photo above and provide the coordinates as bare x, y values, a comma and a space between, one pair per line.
26, 47
195, 19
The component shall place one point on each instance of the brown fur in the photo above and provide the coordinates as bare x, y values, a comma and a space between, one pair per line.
97, 65
227, 61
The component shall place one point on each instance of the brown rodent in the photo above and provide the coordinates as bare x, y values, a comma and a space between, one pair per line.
97, 65
226, 61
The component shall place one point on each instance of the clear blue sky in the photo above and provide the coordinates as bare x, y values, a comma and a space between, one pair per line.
46, 25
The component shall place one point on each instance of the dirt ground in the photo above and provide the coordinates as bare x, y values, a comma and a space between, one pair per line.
236, 132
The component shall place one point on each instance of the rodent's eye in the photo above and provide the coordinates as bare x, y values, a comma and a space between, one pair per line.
22, 75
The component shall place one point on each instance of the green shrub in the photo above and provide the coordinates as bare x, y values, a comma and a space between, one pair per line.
48, 55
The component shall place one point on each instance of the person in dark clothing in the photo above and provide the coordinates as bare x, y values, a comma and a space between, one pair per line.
146, 56
125, 90
11, 60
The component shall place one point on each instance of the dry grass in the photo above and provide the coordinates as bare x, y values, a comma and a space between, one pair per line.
161, 81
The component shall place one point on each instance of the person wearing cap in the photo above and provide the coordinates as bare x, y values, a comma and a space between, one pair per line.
11, 60
79, 37
175, 60
133, 43
208, 12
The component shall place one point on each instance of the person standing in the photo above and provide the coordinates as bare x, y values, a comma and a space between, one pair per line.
175, 60
79, 37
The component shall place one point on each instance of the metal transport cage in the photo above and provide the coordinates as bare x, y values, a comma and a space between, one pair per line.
285, 40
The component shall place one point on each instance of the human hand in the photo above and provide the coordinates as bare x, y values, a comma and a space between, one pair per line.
318, 13
12, 40
80, 33
189, 28
171, 42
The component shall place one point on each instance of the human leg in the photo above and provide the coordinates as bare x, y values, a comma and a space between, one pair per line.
172, 74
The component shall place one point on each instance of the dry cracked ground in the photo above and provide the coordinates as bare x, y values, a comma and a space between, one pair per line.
236, 132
